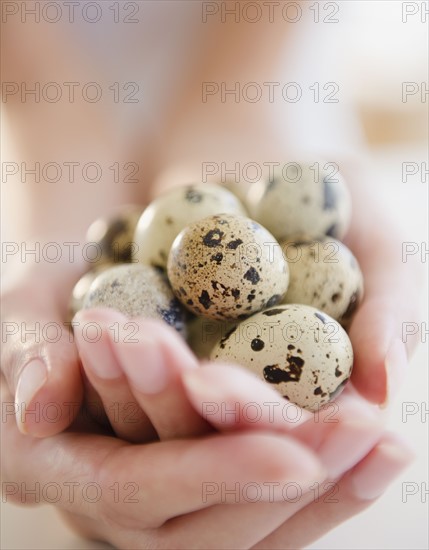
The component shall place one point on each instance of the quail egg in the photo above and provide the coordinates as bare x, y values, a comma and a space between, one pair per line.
167, 215
204, 333
301, 200
81, 288
136, 290
303, 353
240, 189
324, 274
114, 236
227, 267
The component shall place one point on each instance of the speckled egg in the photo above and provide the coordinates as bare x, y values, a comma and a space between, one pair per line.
114, 235
167, 215
302, 199
324, 274
227, 267
136, 290
239, 188
203, 334
81, 288
303, 353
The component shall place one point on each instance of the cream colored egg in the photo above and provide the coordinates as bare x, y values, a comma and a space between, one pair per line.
227, 267
167, 215
239, 188
203, 334
303, 353
113, 236
324, 274
136, 290
303, 199
81, 288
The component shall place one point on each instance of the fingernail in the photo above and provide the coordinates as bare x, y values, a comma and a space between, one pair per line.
144, 364
31, 380
395, 364
93, 342
371, 478
346, 444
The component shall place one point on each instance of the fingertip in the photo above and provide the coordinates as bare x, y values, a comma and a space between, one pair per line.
371, 334
371, 385
98, 314
371, 477
49, 391
379, 378
395, 366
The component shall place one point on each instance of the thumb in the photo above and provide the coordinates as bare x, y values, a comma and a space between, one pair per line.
40, 362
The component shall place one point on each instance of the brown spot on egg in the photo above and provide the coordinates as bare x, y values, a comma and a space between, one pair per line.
213, 238
275, 299
291, 373
193, 196
204, 299
332, 231
233, 245
252, 275
272, 312
257, 344
217, 258
319, 391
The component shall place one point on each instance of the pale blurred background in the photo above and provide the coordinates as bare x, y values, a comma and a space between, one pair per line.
372, 53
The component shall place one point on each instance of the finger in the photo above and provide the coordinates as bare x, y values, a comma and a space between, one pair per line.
352, 494
381, 362
153, 362
392, 288
125, 415
40, 363
232, 398
339, 440
339, 448
160, 480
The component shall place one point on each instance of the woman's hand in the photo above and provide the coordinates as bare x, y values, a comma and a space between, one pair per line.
249, 484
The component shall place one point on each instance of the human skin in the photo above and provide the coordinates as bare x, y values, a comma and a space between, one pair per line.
39, 292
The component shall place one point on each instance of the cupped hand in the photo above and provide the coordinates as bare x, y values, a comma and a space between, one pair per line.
249, 484
182, 400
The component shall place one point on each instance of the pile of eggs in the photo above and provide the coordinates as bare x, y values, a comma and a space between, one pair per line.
259, 278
